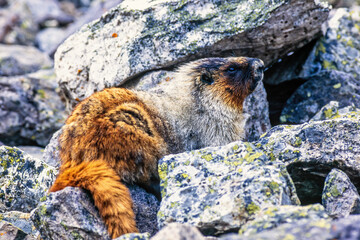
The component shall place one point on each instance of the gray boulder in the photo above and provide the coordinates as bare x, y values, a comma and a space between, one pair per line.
340, 197
132, 39
10, 232
31, 109
51, 154
317, 91
332, 110
312, 149
320, 229
24, 181
43, 10
49, 38
71, 213
21, 221
339, 49
19, 60
272, 217
218, 189
178, 231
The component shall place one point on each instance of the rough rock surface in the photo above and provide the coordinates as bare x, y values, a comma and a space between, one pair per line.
320, 229
71, 214
312, 149
272, 217
319, 90
19, 60
340, 197
20, 220
178, 231
332, 110
256, 107
51, 153
130, 40
31, 109
218, 189
23, 180
339, 49
10, 232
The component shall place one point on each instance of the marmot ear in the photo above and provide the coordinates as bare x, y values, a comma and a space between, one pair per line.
206, 77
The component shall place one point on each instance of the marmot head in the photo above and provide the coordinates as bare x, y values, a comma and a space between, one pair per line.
225, 80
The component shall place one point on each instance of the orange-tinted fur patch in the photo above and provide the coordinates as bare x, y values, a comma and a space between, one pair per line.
109, 137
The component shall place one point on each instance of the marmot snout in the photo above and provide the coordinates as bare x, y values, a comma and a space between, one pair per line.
118, 135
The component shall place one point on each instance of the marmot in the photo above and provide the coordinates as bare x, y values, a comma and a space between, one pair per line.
118, 135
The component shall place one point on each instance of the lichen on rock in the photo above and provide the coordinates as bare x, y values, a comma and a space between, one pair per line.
218, 189
24, 181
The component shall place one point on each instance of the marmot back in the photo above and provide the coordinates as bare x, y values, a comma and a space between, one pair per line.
118, 135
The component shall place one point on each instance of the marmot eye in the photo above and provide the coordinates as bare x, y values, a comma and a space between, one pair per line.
231, 69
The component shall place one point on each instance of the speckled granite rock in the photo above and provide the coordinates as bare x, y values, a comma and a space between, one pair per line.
19, 60
319, 90
51, 153
20, 220
312, 149
340, 197
272, 217
332, 110
134, 38
23, 180
31, 108
71, 214
10, 232
134, 236
218, 189
256, 107
339, 49
320, 229
178, 231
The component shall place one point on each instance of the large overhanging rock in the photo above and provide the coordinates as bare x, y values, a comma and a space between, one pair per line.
128, 40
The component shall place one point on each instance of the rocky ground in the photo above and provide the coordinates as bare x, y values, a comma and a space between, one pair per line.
296, 175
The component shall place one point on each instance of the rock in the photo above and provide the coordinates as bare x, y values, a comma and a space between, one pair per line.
217, 189
178, 231
146, 207
272, 217
17, 25
24, 181
45, 10
319, 90
96, 9
340, 197
256, 107
33, 151
10, 232
322, 229
21, 221
312, 149
131, 39
339, 49
332, 110
31, 109
51, 153
134, 236
256, 110
49, 38
19, 60
71, 213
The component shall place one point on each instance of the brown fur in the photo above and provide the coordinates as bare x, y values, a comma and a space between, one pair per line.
118, 135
